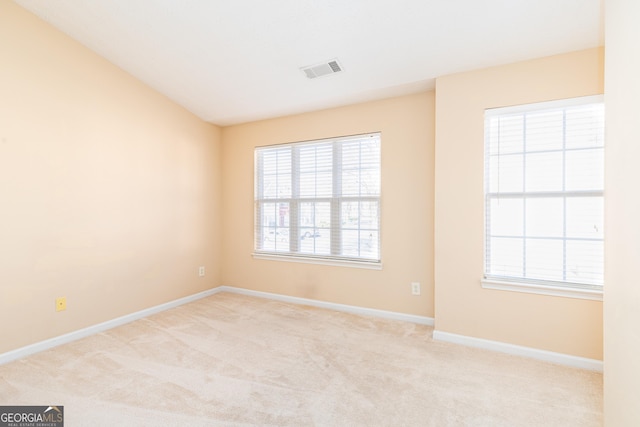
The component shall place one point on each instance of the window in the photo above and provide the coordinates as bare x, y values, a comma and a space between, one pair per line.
319, 199
544, 201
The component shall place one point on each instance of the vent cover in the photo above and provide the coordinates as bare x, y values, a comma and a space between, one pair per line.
323, 69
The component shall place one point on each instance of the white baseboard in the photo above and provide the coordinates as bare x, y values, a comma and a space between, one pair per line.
100, 327
534, 353
422, 320
548, 356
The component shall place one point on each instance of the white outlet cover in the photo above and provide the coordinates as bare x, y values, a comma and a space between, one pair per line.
415, 288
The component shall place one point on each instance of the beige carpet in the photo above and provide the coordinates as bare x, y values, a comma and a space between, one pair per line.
231, 360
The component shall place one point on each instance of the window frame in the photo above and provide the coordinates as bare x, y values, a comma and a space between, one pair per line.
523, 284
294, 201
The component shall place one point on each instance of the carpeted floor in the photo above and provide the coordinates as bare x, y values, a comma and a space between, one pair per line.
231, 360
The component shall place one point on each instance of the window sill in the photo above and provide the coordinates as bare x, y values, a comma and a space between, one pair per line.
557, 291
320, 261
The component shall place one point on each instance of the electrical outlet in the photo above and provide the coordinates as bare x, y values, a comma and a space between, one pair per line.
415, 288
201, 271
61, 304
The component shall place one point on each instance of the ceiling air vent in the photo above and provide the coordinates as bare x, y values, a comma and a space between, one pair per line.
323, 69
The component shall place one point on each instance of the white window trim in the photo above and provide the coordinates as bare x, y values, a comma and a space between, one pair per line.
335, 262
517, 109
331, 260
540, 288
551, 290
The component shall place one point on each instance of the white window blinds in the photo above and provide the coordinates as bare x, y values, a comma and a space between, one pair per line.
544, 181
319, 199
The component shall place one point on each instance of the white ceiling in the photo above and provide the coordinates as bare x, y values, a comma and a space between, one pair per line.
233, 61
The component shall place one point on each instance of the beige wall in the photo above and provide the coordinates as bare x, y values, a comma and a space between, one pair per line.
110, 193
407, 130
622, 212
570, 326
112, 196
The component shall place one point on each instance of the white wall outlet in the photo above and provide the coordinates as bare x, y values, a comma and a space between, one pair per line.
201, 271
415, 288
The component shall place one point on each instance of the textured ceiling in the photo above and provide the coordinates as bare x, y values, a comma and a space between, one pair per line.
233, 61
